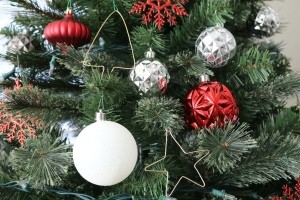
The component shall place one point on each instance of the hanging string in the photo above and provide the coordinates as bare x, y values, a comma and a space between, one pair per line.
101, 103
18, 60
69, 7
114, 5
69, 4
128, 35
52, 65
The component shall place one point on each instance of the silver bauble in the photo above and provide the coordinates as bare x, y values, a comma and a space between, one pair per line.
149, 74
69, 131
266, 21
20, 44
215, 46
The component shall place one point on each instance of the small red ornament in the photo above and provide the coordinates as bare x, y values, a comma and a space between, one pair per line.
160, 10
67, 31
210, 103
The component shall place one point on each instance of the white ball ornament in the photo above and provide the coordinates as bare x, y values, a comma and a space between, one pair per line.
105, 152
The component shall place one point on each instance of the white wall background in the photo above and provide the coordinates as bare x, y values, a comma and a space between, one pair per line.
6, 12
289, 13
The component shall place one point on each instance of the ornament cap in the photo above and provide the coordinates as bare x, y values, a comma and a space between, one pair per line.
100, 116
150, 53
220, 25
69, 11
204, 78
68, 16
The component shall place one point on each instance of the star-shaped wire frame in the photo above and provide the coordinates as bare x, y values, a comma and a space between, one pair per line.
205, 151
84, 61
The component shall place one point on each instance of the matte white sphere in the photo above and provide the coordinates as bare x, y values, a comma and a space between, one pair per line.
105, 153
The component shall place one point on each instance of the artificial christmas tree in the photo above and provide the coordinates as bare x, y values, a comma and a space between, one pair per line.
248, 155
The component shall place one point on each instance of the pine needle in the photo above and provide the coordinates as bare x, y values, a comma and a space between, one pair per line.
43, 160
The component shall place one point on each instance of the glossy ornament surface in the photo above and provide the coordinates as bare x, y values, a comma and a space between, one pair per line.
215, 46
149, 74
266, 22
20, 44
67, 31
209, 104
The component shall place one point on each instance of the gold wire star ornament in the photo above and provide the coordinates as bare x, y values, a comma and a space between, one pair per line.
164, 171
86, 64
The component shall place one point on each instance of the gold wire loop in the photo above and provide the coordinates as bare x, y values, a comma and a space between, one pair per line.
205, 151
127, 32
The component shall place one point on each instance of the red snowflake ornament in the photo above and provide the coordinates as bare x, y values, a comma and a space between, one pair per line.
289, 192
15, 126
160, 11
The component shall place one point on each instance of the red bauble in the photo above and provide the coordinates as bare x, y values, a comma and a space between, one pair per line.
67, 31
209, 104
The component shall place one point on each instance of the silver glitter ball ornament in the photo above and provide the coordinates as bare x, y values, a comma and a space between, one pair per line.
266, 21
149, 74
20, 44
215, 46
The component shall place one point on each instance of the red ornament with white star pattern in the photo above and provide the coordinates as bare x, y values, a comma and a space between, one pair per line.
208, 104
160, 11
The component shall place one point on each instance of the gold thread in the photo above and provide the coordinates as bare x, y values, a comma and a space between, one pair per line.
206, 152
130, 43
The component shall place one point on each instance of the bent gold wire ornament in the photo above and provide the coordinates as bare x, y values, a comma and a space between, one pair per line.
164, 171
84, 62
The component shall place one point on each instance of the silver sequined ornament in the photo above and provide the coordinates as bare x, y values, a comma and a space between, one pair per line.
266, 21
149, 74
20, 44
215, 46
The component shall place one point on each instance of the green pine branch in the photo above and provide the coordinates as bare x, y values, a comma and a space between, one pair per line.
156, 115
145, 37
185, 70
277, 156
43, 161
30, 96
263, 99
226, 145
109, 92
252, 65
285, 121
142, 184
43, 104
282, 87
9, 194
81, 62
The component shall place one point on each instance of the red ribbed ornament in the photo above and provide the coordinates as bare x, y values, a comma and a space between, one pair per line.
67, 31
209, 104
